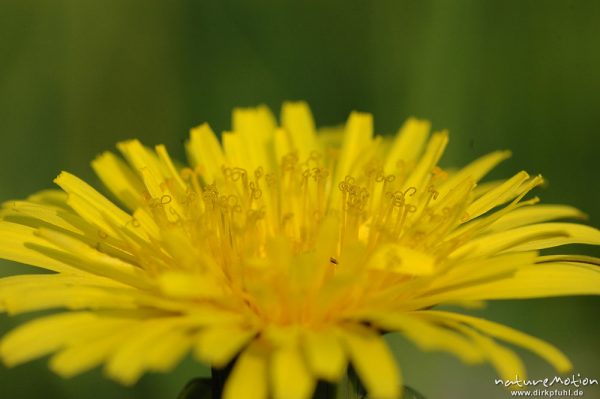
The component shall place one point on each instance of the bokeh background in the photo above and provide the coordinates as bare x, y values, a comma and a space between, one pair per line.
78, 76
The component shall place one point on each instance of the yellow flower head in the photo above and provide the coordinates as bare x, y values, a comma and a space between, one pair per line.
287, 249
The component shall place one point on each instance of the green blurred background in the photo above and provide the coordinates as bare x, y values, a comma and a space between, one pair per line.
78, 76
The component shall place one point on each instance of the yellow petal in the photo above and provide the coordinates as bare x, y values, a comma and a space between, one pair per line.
407, 144
428, 336
289, 374
485, 187
374, 363
331, 139
474, 171
499, 195
41, 336
401, 259
205, 153
218, 345
153, 184
35, 215
167, 162
477, 227
85, 355
142, 158
90, 204
505, 361
325, 354
254, 123
248, 379
254, 128
535, 214
188, 285
132, 357
236, 152
14, 288
71, 297
536, 281
154, 173
21, 244
282, 144
532, 237
167, 352
574, 234
144, 220
422, 171
90, 260
93, 216
118, 177
297, 119
470, 271
543, 349
51, 197
358, 136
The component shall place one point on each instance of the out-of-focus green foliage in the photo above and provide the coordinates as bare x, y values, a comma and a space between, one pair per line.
78, 76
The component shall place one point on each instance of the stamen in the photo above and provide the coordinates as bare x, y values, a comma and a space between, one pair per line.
410, 191
165, 199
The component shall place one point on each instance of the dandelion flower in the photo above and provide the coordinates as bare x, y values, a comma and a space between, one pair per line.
287, 250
